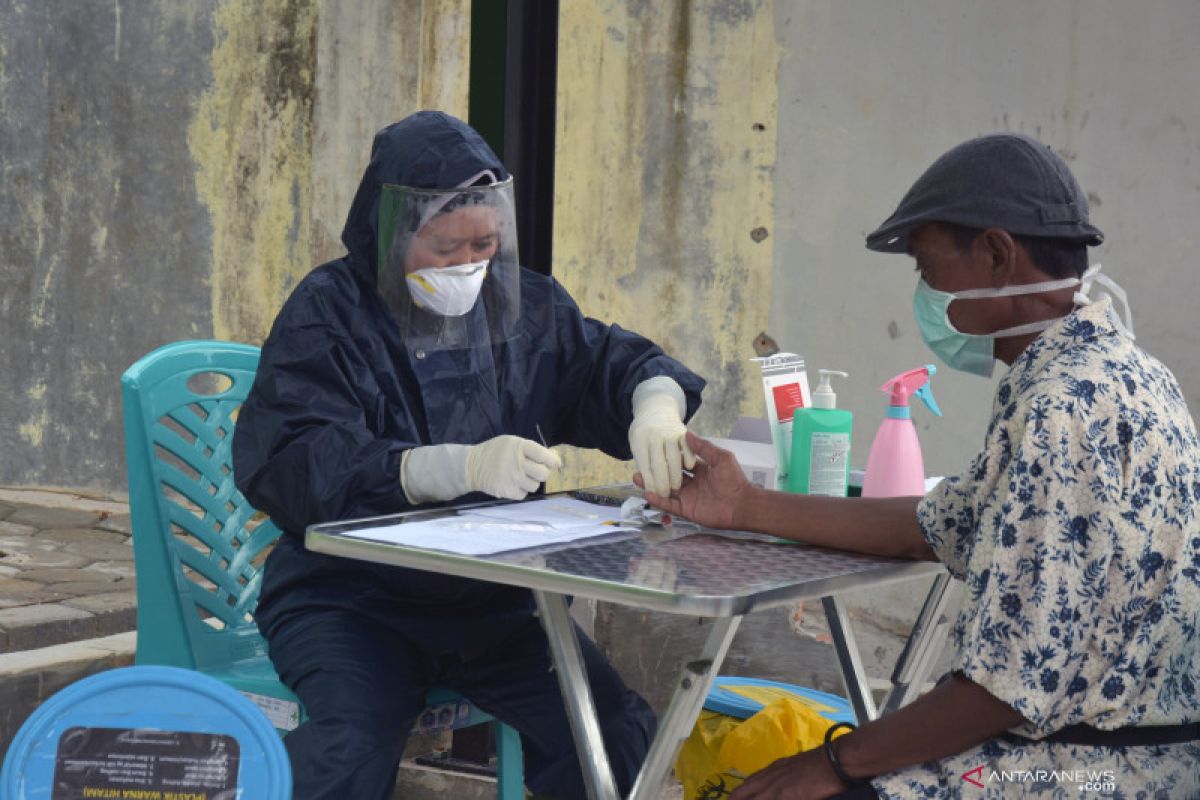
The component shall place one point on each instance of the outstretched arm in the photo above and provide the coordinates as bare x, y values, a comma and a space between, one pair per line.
719, 496
955, 716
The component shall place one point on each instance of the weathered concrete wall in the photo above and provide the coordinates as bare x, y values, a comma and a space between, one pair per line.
872, 93
170, 170
105, 246
868, 95
376, 63
251, 140
664, 190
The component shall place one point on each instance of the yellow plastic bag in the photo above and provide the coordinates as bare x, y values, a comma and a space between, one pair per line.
722, 750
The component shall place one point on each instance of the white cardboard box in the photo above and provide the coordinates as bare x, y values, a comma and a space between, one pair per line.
757, 459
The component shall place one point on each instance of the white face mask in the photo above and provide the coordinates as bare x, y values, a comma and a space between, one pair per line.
974, 353
447, 291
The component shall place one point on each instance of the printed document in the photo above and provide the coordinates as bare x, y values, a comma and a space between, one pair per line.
497, 529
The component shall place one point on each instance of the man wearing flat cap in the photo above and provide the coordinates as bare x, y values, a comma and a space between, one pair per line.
1075, 529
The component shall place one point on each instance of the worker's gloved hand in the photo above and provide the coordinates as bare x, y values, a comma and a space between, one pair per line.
505, 466
509, 466
657, 436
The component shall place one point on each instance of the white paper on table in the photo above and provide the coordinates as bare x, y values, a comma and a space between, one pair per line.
559, 513
498, 529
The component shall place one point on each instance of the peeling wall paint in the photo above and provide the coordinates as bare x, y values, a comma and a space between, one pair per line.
251, 138
665, 164
406, 57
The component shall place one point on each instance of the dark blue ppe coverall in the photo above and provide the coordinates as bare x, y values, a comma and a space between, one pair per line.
337, 399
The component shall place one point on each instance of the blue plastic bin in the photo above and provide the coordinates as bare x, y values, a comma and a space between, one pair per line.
723, 698
146, 729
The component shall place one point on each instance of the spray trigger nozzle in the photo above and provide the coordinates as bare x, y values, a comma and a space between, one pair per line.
913, 382
926, 395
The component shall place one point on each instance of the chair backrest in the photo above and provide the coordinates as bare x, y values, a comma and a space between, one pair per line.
146, 731
198, 545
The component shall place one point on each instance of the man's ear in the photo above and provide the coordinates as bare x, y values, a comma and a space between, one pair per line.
1000, 254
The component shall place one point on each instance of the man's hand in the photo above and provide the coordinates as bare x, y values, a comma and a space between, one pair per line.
952, 718
805, 776
713, 495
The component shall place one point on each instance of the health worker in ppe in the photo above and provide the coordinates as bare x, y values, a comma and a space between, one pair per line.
1074, 529
423, 368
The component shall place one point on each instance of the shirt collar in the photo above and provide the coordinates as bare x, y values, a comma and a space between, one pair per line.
1086, 324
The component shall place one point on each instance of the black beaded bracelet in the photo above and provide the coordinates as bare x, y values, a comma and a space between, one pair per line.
833, 759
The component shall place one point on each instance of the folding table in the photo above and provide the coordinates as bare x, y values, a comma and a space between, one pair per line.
695, 571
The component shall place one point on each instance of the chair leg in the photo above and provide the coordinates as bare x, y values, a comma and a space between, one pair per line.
510, 767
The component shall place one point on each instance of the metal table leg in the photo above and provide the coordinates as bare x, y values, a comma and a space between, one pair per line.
577, 694
857, 689
690, 693
923, 646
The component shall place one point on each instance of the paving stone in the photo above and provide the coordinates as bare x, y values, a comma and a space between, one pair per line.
112, 579
42, 517
77, 499
118, 523
31, 554
9, 529
41, 594
30, 627
115, 612
121, 569
81, 535
76, 589
41, 659
97, 551
55, 576
16, 586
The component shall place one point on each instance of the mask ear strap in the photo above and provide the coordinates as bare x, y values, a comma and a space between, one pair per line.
1019, 288
1094, 276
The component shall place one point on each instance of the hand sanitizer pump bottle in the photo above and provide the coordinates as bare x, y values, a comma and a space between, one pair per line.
895, 467
820, 450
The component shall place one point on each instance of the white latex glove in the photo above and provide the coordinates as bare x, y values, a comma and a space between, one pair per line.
509, 466
505, 466
657, 436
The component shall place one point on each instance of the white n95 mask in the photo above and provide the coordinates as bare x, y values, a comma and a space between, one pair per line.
447, 291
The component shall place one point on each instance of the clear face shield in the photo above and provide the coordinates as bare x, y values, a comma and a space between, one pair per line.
448, 265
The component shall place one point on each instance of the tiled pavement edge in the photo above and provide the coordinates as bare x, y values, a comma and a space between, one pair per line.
66, 570
67, 595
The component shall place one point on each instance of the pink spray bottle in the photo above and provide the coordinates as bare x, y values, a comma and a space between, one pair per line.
895, 467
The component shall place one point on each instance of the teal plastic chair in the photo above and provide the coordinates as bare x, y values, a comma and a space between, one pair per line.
199, 545
146, 731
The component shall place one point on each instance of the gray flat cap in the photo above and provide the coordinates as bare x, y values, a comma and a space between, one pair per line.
1002, 180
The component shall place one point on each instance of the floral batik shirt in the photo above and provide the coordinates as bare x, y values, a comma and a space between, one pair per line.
1075, 533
